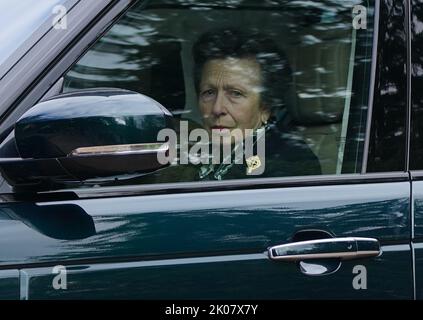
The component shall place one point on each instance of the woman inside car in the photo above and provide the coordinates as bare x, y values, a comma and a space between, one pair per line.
243, 82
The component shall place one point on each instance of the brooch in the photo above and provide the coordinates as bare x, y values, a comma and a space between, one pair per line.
253, 163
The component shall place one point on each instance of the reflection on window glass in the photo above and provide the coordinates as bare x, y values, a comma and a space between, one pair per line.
289, 77
18, 21
388, 130
416, 152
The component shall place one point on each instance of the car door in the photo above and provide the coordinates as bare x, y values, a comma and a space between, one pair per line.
416, 142
220, 239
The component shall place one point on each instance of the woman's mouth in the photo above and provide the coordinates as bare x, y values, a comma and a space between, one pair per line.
219, 128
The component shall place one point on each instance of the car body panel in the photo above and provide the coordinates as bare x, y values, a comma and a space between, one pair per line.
167, 228
213, 278
417, 237
9, 284
418, 256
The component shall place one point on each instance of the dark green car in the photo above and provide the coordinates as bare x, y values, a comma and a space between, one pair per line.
89, 209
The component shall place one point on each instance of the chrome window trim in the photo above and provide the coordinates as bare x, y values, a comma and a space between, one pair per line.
224, 185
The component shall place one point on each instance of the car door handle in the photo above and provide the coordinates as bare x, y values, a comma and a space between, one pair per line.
342, 248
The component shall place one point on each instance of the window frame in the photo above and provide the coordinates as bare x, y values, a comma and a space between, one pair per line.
31, 41
80, 42
415, 174
406, 96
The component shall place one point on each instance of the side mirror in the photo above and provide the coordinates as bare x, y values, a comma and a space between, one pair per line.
84, 135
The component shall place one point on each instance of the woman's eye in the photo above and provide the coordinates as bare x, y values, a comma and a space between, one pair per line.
236, 94
208, 92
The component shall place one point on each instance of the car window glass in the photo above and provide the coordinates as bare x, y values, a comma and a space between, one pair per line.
388, 130
299, 77
416, 150
19, 19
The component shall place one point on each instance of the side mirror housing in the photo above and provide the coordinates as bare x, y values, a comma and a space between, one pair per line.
85, 135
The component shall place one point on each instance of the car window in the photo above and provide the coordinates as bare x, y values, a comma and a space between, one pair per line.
19, 19
388, 132
416, 150
297, 74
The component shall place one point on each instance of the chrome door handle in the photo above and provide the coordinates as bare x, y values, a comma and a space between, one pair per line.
342, 248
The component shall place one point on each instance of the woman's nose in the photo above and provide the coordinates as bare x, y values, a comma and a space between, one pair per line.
219, 106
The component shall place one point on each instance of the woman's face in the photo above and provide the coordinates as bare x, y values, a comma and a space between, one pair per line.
229, 96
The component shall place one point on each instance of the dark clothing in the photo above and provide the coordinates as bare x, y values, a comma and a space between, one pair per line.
285, 155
